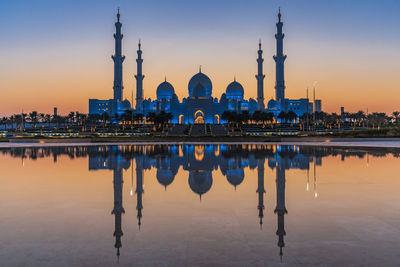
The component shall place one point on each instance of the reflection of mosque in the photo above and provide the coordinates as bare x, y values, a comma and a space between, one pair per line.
200, 161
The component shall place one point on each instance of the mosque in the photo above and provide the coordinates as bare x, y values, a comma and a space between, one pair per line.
200, 106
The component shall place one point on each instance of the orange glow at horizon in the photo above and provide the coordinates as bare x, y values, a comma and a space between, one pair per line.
34, 81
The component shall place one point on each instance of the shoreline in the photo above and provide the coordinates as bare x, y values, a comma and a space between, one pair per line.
393, 143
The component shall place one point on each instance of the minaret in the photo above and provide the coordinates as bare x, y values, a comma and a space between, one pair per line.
118, 209
260, 80
260, 190
279, 61
139, 79
280, 209
118, 59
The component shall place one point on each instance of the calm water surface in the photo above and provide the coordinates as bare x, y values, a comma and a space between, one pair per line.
214, 205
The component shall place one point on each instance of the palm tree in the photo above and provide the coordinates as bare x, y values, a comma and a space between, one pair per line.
396, 116
71, 117
267, 117
33, 117
24, 115
256, 116
42, 118
291, 116
4, 122
47, 119
282, 116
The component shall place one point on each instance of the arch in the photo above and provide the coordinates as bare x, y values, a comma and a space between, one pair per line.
181, 119
199, 117
217, 119
199, 120
198, 113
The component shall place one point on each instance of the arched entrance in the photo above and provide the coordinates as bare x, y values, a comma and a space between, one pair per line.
181, 119
199, 117
217, 119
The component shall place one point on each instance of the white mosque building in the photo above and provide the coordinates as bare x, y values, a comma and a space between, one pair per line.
200, 106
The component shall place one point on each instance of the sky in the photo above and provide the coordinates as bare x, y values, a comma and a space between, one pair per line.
58, 53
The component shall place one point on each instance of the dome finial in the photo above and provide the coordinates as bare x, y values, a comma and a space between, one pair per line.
139, 45
200, 69
118, 15
234, 78
259, 43
165, 78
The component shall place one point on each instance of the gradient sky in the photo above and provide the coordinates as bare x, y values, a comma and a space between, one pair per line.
58, 53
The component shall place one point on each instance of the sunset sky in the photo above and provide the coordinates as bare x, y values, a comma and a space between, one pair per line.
58, 53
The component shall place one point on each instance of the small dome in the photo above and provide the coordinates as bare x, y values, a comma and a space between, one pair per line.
126, 104
165, 91
235, 176
165, 177
234, 90
199, 91
271, 104
200, 78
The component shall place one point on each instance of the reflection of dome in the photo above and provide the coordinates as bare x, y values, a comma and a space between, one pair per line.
200, 182
165, 91
202, 79
165, 177
271, 104
199, 91
235, 177
234, 91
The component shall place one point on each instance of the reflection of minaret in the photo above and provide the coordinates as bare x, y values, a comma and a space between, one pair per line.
118, 209
118, 59
280, 206
139, 191
139, 80
260, 79
131, 191
315, 179
260, 190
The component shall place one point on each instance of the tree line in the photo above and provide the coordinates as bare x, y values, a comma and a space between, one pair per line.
234, 119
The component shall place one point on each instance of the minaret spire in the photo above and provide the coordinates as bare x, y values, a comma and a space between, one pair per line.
139, 78
260, 79
118, 59
279, 14
279, 62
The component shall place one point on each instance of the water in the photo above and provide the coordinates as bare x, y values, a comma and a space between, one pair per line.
214, 205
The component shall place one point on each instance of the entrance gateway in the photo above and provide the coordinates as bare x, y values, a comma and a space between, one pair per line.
199, 117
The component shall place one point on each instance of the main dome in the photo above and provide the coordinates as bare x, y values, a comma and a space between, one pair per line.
200, 182
199, 91
165, 90
200, 78
234, 90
